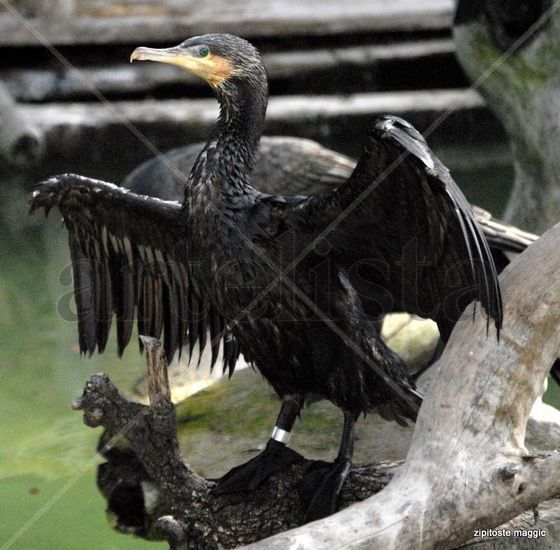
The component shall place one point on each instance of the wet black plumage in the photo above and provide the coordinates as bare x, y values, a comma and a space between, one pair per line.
294, 283
297, 166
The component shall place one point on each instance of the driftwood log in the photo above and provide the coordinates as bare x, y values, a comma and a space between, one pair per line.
467, 467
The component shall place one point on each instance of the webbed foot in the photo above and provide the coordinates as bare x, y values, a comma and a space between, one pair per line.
247, 477
321, 487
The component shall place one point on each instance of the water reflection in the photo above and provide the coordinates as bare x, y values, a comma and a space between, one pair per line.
47, 456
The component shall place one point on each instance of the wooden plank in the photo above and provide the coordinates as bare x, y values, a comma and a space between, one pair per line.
51, 84
203, 112
289, 64
82, 133
125, 21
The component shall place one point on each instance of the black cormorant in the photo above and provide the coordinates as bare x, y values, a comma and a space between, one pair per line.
294, 283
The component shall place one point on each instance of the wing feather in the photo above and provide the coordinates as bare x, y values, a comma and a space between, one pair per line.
401, 206
129, 258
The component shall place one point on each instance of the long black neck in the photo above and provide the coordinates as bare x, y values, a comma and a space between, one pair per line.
241, 121
225, 162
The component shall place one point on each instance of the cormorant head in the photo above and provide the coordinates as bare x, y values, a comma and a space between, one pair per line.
234, 69
222, 60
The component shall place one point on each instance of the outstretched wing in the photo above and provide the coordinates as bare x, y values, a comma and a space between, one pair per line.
404, 231
129, 258
297, 166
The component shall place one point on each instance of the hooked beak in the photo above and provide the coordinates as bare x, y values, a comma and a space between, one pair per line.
163, 55
214, 69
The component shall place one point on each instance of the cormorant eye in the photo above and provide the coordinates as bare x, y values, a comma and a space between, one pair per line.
203, 51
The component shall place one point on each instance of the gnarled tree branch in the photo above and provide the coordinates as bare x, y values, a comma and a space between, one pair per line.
156, 495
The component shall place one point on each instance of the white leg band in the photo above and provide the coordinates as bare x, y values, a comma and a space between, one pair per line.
280, 435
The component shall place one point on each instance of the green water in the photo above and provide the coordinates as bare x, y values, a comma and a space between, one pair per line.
48, 496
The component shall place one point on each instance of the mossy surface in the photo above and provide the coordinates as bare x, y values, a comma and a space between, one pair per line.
230, 421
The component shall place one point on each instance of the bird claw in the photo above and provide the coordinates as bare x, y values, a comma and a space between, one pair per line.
247, 477
321, 487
